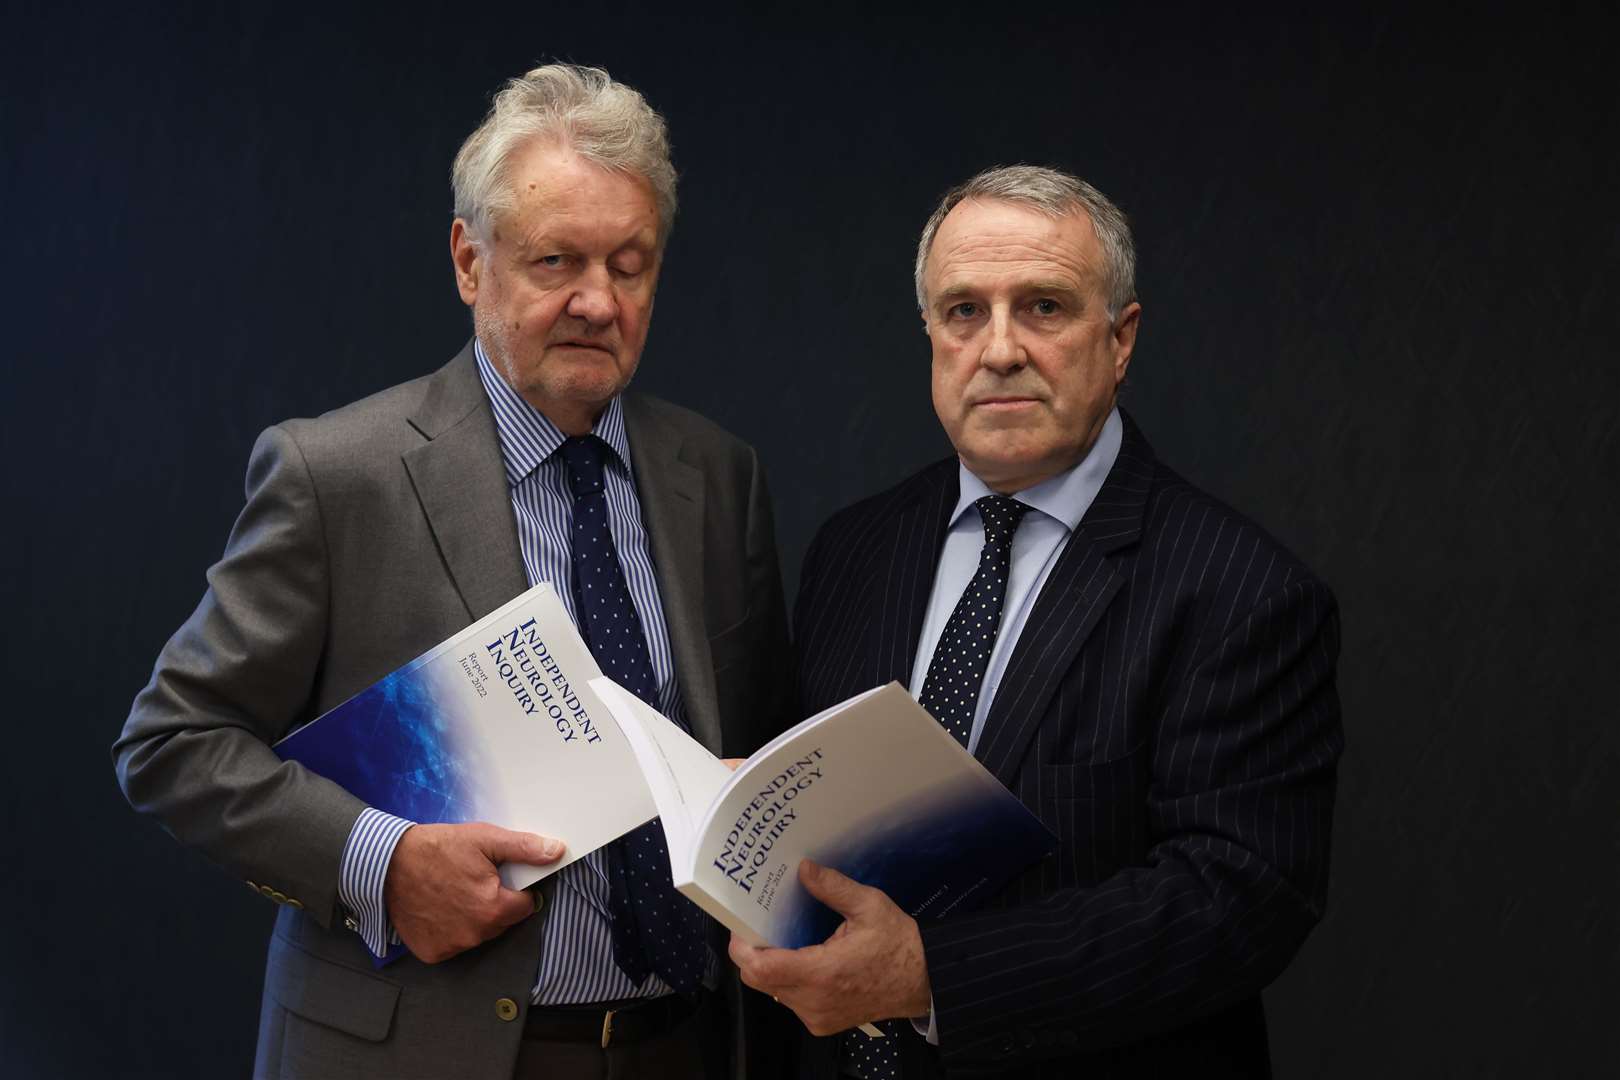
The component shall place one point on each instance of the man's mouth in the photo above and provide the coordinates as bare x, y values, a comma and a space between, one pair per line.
998, 404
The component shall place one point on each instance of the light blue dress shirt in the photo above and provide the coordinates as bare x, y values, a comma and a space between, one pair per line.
1057, 506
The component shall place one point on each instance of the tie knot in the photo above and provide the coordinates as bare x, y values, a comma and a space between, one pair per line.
1001, 516
583, 455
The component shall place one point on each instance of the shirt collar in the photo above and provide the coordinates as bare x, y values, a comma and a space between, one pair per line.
1065, 497
527, 437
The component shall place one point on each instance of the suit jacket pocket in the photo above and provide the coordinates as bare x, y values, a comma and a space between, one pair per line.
337, 996
1106, 781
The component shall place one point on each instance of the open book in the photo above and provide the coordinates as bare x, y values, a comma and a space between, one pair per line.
496, 724
509, 722
873, 787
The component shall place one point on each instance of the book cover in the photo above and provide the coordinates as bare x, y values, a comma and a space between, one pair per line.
873, 787
496, 724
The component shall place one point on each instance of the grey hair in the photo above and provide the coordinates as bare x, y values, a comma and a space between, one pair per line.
1056, 194
603, 121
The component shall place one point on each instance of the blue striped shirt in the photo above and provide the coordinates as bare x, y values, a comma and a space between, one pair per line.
576, 957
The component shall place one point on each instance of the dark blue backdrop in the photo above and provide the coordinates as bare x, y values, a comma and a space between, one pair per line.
1379, 262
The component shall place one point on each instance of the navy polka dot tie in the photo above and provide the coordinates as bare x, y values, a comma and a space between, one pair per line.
654, 928
951, 695
951, 690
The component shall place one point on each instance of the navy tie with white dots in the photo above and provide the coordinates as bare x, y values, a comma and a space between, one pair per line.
654, 928
951, 695
951, 691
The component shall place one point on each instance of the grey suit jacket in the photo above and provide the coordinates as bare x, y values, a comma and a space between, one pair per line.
369, 535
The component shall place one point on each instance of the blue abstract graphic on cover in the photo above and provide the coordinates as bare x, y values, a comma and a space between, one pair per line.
934, 853
396, 747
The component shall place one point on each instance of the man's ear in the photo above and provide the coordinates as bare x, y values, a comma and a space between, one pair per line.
466, 255
1125, 327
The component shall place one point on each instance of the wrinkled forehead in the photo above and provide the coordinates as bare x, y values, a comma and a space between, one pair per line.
556, 190
986, 242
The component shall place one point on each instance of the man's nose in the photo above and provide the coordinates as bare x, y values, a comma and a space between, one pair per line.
1002, 353
593, 299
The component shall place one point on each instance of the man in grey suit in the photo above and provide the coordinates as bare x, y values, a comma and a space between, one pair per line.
375, 531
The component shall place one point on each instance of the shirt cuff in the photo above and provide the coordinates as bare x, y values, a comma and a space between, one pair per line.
930, 1030
365, 868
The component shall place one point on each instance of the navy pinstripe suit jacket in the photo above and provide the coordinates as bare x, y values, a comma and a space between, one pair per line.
1170, 712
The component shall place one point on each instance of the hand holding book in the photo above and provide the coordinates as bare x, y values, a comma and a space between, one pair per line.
871, 968
833, 840
444, 891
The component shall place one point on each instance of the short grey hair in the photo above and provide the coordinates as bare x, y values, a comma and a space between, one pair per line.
603, 121
1056, 194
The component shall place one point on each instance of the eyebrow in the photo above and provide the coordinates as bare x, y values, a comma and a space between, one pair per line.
1040, 285
547, 236
955, 292
1051, 285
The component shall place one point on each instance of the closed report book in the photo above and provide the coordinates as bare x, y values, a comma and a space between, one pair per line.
497, 724
873, 787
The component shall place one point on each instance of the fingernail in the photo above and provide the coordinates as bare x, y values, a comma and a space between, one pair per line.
551, 848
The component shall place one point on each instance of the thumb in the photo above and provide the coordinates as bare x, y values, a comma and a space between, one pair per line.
504, 845
512, 907
843, 894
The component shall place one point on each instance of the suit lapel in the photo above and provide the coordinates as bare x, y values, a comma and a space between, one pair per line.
670, 491
460, 481
1084, 582
907, 574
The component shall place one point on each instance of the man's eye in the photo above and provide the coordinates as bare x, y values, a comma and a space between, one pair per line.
1045, 307
963, 310
551, 261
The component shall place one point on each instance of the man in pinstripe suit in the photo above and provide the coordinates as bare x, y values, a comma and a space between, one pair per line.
1148, 671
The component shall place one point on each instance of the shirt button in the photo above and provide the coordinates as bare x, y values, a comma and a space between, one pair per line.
506, 1009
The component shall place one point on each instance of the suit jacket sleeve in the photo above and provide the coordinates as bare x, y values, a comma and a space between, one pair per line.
1240, 789
195, 751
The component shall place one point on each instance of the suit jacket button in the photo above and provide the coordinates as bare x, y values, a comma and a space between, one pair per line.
278, 896
267, 892
539, 900
506, 1009
292, 902
254, 886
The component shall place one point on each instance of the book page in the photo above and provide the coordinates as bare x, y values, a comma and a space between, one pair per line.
683, 776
